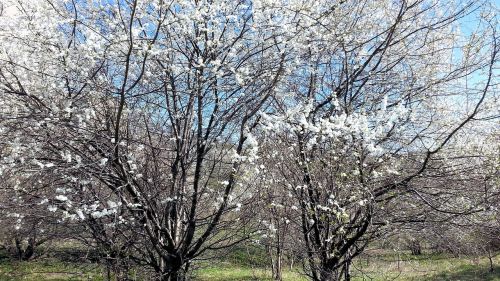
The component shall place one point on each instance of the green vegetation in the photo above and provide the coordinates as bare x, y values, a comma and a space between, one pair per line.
381, 266
424, 267
231, 272
50, 269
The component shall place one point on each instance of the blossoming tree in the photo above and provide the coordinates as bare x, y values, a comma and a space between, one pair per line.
149, 115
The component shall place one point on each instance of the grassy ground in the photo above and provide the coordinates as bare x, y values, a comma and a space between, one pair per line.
425, 267
52, 270
377, 267
236, 273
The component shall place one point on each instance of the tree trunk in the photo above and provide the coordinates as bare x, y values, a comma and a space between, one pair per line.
273, 264
278, 267
30, 249
490, 257
329, 275
25, 254
329, 271
172, 269
416, 248
174, 276
108, 273
347, 273
19, 248
332, 270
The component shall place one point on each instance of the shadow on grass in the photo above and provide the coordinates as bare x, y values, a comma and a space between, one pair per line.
47, 270
468, 273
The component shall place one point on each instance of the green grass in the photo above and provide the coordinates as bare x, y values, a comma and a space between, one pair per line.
380, 266
231, 272
426, 268
52, 270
